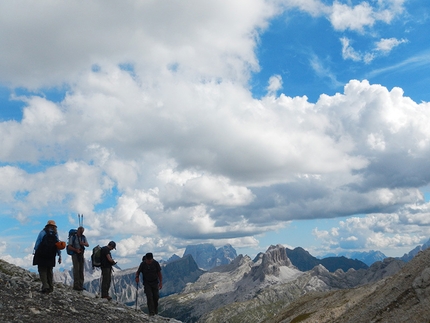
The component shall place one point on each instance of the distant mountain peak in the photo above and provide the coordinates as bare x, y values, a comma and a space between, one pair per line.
207, 256
276, 255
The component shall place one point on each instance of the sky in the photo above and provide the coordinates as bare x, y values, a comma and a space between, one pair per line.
248, 122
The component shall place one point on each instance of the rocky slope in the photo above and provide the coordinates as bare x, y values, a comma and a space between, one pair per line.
21, 302
402, 297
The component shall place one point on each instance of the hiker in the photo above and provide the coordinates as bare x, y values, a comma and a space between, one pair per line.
152, 281
77, 244
106, 264
45, 250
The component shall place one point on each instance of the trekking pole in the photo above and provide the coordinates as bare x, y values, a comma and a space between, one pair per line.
81, 220
100, 283
137, 293
114, 287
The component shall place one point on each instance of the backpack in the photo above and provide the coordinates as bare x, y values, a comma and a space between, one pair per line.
96, 258
47, 247
72, 233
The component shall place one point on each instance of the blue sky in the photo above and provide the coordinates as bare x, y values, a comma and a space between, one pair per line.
251, 122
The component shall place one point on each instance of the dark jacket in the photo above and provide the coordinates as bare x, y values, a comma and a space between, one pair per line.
105, 263
150, 272
42, 256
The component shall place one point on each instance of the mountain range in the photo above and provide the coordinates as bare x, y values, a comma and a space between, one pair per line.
268, 289
244, 290
251, 290
304, 261
177, 271
368, 257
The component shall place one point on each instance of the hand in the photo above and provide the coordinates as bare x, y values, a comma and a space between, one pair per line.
59, 260
160, 285
137, 279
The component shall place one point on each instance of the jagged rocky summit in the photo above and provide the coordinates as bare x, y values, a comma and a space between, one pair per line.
21, 302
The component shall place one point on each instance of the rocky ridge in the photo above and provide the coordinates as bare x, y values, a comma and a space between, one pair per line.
411, 254
402, 297
304, 261
21, 302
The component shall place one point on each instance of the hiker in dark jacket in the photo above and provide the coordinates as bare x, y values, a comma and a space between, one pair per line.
106, 264
152, 281
77, 244
44, 253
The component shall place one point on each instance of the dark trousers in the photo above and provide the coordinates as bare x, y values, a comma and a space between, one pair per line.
106, 280
46, 276
152, 295
78, 271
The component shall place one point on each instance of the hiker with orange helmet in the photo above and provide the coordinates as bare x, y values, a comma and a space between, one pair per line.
45, 251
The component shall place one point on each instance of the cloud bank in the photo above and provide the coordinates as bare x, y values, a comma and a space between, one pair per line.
157, 134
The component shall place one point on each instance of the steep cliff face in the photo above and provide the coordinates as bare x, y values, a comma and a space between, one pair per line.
271, 261
224, 255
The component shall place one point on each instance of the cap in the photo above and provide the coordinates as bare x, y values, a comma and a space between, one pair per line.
112, 244
51, 222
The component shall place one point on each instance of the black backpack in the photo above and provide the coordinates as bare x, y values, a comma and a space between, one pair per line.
47, 247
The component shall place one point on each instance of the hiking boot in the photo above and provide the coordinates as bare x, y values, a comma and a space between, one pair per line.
107, 297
